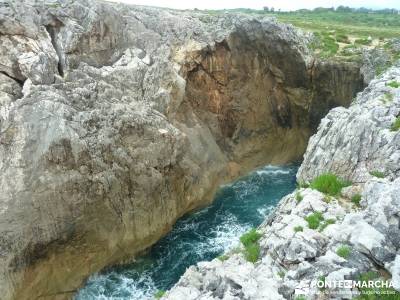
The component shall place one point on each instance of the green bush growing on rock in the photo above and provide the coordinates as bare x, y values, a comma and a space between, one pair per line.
362, 41
394, 84
377, 174
252, 252
302, 184
223, 257
251, 246
326, 223
314, 220
329, 184
301, 297
281, 274
375, 293
298, 228
396, 125
159, 294
356, 199
344, 251
299, 197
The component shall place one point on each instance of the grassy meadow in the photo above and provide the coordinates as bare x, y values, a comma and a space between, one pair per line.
341, 34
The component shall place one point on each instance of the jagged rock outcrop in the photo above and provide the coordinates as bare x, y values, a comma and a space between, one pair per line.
349, 142
116, 120
368, 145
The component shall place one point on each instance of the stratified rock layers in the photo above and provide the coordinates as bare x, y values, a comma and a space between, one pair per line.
116, 120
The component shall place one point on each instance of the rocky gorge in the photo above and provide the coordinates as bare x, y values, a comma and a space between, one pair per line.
359, 144
116, 120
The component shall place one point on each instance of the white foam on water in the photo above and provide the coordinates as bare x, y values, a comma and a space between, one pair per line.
265, 211
270, 170
220, 238
126, 289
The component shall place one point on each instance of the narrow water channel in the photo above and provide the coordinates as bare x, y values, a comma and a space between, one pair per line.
196, 237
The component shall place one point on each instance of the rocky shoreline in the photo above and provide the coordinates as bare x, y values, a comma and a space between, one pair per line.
116, 120
357, 232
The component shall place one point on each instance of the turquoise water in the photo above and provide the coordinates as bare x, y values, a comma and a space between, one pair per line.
196, 237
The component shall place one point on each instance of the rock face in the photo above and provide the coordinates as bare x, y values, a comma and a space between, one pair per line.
349, 142
368, 146
116, 120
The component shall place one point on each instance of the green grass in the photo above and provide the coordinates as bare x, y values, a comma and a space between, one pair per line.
299, 197
375, 293
281, 274
326, 223
377, 174
250, 237
327, 199
314, 220
387, 97
251, 246
356, 199
298, 228
159, 294
358, 24
223, 257
322, 278
362, 41
344, 251
394, 84
396, 125
329, 184
300, 297
342, 38
302, 185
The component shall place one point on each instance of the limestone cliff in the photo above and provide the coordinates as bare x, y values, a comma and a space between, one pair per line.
116, 120
358, 229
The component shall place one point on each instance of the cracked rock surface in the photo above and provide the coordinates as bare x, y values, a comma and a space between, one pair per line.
116, 120
350, 143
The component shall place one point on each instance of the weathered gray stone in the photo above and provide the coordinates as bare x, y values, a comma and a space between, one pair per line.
349, 142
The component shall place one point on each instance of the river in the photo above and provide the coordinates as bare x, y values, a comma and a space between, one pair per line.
199, 236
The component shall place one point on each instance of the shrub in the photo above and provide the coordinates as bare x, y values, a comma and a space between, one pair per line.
343, 251
314, 220
377, 174
252, 252
223, 257
396, 125
342, 38
250, 237
375, 293
327, 199
302, 184
387, 97
326, 223
281, 274
251, 246
300, 297
329, 183
299, 197
298, 228
394, 84
322, 278
362, 41
356, 199
159, 294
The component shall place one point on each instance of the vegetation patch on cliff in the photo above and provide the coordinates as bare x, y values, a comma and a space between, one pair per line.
251, 246
396, 125
329, 184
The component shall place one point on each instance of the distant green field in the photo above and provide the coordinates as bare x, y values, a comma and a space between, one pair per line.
376, 25
340, 34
